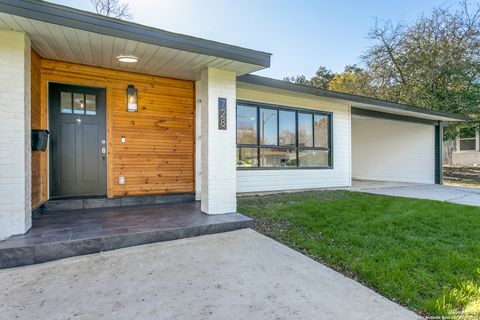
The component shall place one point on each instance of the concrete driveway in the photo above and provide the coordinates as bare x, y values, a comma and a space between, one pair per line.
460, 195
235, 275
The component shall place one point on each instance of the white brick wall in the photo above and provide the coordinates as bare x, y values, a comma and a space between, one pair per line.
15, 156
218, 172
291, 179
390, 150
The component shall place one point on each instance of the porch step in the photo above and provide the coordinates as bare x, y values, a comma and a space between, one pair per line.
62, 234
102, 202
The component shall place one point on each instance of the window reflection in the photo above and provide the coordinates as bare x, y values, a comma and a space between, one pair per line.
268, 127
305, 130
320, 123
246, 125
286, 138
287, 135
313, 158
91, 104
66, 102
278, 157
247, 157
78, 103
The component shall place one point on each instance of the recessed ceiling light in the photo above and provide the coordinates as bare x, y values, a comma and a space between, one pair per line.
129, 59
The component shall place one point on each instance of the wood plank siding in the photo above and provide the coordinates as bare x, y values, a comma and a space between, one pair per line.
39, 121
159, 153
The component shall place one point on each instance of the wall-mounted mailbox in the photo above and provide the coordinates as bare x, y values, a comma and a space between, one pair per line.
39, 140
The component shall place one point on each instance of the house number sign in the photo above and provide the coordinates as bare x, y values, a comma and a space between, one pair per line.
222, 114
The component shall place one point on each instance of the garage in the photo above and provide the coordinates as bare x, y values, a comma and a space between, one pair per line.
389, 147
391, 150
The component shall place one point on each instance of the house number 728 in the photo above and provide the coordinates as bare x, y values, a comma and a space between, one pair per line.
222, 114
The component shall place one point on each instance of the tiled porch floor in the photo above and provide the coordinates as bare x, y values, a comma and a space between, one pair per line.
60, 234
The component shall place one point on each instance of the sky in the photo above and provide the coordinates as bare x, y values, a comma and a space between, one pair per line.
301, 34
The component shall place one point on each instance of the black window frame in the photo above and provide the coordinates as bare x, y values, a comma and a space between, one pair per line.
279, 108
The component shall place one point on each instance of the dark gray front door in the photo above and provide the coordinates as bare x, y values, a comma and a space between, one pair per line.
77, 141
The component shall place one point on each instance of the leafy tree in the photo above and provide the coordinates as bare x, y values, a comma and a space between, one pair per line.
112, 8
433, 63
320, 80
353, 80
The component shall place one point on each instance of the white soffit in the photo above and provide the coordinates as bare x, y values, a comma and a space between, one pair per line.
57, 42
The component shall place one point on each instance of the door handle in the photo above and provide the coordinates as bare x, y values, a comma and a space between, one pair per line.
104, 150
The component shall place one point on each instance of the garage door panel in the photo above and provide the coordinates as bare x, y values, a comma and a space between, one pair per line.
389, 150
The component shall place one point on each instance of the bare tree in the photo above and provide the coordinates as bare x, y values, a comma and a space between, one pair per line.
112, 8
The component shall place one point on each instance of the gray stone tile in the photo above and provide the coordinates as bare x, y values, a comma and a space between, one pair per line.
101, 203
168, 199
188, 197
64, 233
117, 231
57, 233
64, 204
88, 226
12, 257
86, 235
135, 201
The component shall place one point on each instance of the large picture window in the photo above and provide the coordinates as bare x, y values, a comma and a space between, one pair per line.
278, 137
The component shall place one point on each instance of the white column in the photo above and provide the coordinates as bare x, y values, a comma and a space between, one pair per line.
15, 155
218, 167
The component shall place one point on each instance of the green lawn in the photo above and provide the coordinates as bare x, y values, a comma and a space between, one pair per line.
422, 254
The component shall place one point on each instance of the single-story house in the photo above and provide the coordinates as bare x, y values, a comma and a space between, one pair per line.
134, 111
465, 149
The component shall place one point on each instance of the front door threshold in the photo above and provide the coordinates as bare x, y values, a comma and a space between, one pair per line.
77, 203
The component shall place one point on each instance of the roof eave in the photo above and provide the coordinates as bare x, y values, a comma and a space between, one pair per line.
289, 86
78, 19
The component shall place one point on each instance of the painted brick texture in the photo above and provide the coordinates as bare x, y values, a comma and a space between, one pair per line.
218, 168
15, 158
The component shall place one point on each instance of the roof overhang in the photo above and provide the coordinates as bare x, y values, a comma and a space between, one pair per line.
375, 106
63, 33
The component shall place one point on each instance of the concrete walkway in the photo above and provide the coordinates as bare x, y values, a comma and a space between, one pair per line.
460, 195
234, 275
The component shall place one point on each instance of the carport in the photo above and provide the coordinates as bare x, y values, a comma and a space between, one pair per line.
397, 143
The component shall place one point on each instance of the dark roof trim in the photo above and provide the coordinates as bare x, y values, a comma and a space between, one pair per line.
285, 85
391, 116
78, 19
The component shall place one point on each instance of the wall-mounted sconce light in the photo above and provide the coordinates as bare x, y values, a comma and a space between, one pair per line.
132, 98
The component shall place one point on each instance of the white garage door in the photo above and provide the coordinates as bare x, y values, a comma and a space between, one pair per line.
389, 150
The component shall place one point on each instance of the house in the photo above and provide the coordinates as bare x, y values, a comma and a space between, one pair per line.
465, 149
134, 111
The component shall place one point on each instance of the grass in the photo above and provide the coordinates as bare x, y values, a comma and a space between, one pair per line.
422, 254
